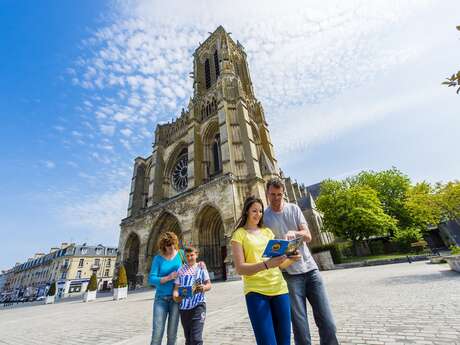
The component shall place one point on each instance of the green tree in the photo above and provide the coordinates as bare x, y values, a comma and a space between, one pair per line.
391, 187
52, 289
449, 200
353, 212
454, 80
423, 205
92, 286
405, 237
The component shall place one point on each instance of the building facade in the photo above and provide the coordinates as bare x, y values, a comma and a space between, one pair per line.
203, 165
69, 265
3, 281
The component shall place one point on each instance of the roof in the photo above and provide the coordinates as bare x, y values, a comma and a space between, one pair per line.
314, 190
307, 202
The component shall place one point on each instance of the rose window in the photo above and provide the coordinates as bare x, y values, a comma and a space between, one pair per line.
179, 174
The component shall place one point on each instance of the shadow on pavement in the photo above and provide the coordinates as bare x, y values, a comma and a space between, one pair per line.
422, 278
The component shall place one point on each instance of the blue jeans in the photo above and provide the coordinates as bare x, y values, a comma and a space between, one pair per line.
164, 307
310, 286
269, 317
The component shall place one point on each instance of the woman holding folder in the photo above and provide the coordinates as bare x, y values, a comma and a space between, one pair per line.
266, 293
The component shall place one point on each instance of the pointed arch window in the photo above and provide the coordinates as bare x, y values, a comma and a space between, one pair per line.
216, 64
207, 73
216, 155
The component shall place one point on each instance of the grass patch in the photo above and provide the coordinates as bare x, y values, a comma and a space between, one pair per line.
376, 257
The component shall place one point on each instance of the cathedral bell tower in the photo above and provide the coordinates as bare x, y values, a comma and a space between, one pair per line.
234, 134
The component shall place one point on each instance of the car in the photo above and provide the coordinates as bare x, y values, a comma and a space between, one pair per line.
40, 298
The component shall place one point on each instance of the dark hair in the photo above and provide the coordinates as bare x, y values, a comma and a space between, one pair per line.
244, 213
191, 249
276, 182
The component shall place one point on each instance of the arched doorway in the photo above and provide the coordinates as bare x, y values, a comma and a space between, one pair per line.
131, 259
211, 241
166, 222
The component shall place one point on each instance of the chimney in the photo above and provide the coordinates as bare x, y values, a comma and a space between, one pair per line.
53, 249
64, 245
38, 255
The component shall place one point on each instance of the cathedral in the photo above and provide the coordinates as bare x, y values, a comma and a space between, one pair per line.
203, 165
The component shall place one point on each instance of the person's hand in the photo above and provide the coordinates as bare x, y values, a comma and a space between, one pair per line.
295, 256
199, 288
177, 298
276, 261
172, 275
201, 265
290, 235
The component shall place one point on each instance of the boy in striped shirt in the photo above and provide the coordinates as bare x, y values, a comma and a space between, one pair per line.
192, 309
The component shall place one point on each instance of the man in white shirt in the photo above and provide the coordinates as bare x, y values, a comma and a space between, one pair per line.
303, 278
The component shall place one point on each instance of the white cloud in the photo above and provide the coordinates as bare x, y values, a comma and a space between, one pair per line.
304, 58
107, 129
120, 117
106, 147
100, 213
126, 132
59, 128
49, 164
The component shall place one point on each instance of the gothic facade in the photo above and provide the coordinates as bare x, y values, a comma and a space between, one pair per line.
203, 165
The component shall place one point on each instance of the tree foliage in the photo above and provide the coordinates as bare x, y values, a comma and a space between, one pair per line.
52, 289
386, 202
92, 286
391, 187
353, 212
406, 236
449, 200
454, 80
422, 204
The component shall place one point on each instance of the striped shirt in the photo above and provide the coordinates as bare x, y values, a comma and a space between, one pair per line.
188, 276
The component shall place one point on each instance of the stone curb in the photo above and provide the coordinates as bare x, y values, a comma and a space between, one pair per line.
383, 261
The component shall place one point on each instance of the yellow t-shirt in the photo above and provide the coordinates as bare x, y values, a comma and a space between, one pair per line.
267, 282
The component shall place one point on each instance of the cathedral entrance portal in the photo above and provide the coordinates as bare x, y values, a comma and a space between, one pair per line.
166, 222
131, 258
211, 241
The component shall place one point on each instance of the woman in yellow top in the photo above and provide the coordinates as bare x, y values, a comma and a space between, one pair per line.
267, 298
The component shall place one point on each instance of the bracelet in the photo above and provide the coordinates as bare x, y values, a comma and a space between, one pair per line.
265, 264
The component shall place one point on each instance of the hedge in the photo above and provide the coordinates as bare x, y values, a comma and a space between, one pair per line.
334, 249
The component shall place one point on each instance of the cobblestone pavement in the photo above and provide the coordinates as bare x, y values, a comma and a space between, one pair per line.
405, 303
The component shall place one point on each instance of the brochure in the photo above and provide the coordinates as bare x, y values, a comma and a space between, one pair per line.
186, 291
282, 247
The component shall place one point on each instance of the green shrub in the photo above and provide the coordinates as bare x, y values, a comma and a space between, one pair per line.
52, 289
92, 286
405, 237
334, 249
122, 280
454, 250
376, 247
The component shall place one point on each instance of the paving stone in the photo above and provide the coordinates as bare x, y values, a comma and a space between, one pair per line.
394, 304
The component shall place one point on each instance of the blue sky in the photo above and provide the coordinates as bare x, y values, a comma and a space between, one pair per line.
346, 86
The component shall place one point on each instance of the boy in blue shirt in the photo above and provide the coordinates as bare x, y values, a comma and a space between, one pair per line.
192, 308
